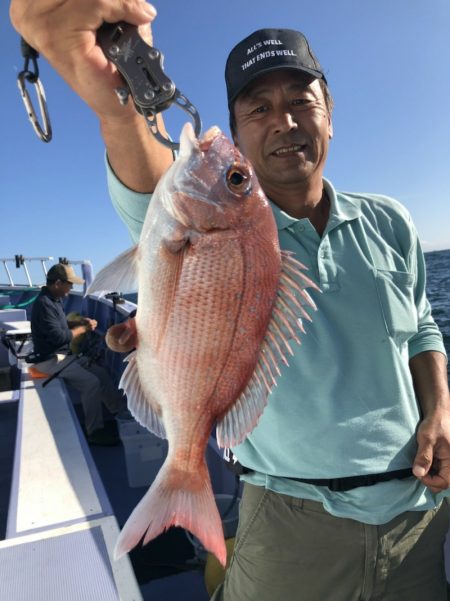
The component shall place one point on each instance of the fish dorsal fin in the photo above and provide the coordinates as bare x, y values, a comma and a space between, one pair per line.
121, 274
143, 409
285, 324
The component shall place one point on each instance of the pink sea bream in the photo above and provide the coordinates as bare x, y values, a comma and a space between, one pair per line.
218, 303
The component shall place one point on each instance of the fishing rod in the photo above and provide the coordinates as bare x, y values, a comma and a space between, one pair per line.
89, 349
56, 374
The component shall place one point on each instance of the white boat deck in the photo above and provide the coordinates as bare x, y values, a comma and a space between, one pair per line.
73, 563
53, 480
61, 529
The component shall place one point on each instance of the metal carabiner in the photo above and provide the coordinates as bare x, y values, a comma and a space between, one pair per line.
44, 132
30, 54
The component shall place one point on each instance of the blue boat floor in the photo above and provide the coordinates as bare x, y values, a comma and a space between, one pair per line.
162, 566
186, 587
8, 421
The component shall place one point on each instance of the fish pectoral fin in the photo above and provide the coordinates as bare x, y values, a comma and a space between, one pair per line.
121, 274
285, 324
143, 409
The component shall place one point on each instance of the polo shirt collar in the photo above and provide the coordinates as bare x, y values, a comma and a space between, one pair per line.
342, 208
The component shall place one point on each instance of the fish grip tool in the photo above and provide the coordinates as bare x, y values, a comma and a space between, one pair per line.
141, 68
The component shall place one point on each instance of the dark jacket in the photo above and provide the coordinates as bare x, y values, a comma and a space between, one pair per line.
49, 328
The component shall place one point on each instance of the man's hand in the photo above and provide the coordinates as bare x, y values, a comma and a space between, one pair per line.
65, 33
122, 337
90, 324
432, 462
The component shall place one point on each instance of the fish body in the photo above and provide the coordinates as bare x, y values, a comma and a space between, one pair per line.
218, 302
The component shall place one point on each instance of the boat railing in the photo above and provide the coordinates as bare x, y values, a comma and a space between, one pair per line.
33, 270
22, 263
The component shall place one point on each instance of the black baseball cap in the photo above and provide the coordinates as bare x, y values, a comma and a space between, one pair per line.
266, 50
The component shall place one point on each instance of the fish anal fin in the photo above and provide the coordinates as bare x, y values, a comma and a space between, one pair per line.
144, 410
285, 325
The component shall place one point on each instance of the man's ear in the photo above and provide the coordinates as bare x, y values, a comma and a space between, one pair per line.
330, 127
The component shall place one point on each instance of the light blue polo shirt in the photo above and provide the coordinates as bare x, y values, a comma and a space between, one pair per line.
345, 406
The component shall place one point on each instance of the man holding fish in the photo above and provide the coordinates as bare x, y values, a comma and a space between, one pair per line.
349, 463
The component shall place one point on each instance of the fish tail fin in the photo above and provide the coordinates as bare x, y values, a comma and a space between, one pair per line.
166, 504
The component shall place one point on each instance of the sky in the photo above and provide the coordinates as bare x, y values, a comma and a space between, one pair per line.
387, 63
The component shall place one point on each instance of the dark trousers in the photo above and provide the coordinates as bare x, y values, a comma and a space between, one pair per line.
94, 384
293, 550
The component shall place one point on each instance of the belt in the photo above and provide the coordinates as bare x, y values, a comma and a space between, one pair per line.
351, 482
334, 484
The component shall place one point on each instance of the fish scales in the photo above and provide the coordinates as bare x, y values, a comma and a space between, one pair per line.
213, 336
207, 340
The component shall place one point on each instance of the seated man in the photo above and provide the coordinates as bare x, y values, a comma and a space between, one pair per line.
52, 336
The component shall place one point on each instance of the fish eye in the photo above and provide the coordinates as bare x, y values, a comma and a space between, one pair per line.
238, 180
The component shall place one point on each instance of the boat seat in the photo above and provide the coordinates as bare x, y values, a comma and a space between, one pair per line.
36, 374
15, 336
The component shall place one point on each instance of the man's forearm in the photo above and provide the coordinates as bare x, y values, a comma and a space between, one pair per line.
429, 373
135, 156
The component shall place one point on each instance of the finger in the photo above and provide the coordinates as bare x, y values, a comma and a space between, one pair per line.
436, 483
145, 31
423, 460
125, 337
38, 21
122, 337
136, 13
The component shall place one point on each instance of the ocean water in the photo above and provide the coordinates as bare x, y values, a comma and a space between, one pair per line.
438, 291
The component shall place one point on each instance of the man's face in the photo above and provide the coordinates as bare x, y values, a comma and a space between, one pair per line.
283, 128
61, 288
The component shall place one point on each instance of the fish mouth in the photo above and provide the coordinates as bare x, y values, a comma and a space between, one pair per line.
208, 138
